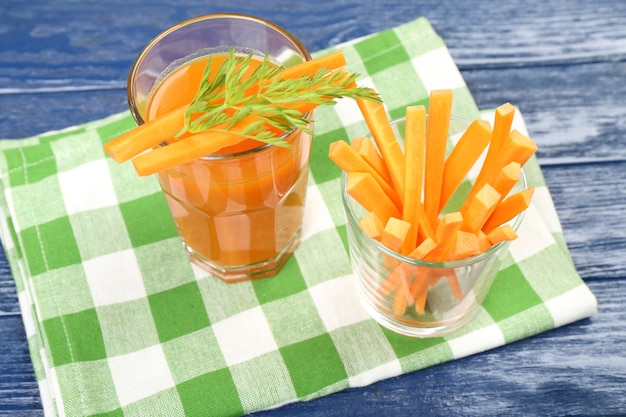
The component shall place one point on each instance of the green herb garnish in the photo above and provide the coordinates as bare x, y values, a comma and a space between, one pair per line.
224, 98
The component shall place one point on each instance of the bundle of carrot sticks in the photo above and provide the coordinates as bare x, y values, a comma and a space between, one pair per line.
405, 190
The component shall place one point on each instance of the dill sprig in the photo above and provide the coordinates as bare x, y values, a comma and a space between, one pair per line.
230, 95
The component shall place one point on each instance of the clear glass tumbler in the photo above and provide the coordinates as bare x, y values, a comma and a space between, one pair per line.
445, 295
238, 213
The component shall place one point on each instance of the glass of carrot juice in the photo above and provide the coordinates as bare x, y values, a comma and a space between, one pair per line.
238, 212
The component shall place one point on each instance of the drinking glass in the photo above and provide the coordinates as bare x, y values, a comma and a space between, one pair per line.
239, 213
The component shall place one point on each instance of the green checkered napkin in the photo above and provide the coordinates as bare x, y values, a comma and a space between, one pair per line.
119, 323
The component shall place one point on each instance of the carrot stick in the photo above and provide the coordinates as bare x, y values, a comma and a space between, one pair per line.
189, 149
453, 283
391, 283
200, 144
401, 297
423, 249
183, 151
508, 209
439, 111
403, 275
146, 136
329, 62
376, 119
507, 178
419, 289
501, 234
425, 229
420, 293
449, 224
366, 149
395, 233
503, 120
372, 226
516, 148
367, 192
163, 128
420, 253
406, 271
480, 208
414, 146
348, 160
466, 244
483, 242
463, 156
393, 237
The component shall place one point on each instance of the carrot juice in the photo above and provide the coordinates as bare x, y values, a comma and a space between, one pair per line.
238, 212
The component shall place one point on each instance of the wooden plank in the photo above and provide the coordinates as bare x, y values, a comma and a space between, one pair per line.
19, 393
16, 111
591, 203
98, 40
8, 297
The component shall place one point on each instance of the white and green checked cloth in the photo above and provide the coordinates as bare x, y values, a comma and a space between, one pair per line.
119, 322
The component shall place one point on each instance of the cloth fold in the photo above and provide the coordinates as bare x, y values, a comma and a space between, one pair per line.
119, 323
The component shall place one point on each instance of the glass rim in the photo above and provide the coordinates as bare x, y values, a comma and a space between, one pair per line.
348, 201
301, 48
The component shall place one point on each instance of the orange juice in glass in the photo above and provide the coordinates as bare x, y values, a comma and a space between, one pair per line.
238, 212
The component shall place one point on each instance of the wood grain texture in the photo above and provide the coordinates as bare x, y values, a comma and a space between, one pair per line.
91, 43
19, 393
562, 62
590, 199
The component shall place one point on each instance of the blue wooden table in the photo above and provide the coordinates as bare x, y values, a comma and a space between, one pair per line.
562, 62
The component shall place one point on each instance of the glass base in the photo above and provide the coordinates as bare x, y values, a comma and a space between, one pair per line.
238, 273
428, 328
